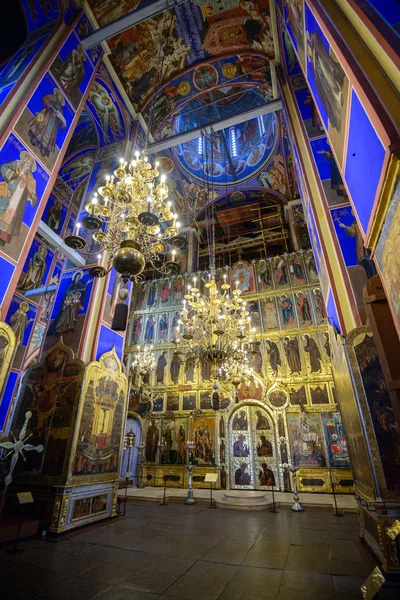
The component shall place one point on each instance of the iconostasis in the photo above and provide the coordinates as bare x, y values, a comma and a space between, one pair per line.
287, 413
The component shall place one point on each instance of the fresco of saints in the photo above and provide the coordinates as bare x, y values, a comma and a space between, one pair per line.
329, 78
287, 312
203, 441
152, 442
163, 328
336, 179
149, 330
304, 309
242, 278
32, 279
274, 356
72, 302
137, 329
19, 323
292, 355
241, 476
160, 368
240, 449
256, 359
314, 353
175, 367
312, 268
363, 254
18, 187
266, 476
54, 217
43, 127
72, 72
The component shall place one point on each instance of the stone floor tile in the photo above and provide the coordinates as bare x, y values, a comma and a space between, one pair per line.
195, 588
121, 593
307, 580
348, 586
300, 558
272, 556
210, 570
76, 588
150, 581
290, 594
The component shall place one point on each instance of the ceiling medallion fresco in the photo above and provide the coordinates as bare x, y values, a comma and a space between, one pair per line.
238, 154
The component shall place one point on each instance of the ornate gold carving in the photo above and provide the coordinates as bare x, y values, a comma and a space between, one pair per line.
373, 584
64, 511
7, 349
394, 530
56, 512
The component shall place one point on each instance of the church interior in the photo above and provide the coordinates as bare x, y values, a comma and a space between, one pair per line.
200, 299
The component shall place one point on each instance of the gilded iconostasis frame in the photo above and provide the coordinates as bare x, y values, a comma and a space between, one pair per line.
293, 373
7, 349
98, 438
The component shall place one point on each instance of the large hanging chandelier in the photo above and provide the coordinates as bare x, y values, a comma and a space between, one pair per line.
133, 221
216, 326
144, 361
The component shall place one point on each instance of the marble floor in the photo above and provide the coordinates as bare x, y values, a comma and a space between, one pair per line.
189, 552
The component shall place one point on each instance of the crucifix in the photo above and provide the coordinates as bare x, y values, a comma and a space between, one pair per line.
16, 448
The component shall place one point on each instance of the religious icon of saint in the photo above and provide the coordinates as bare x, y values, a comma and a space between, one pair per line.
72, 303
32, 279
319, 306
241, 476
72, 71
262, 421
264, 275
203, 441
165, 292
160, 368
19, 322
240, 449
149, 329
287, 312
363, 254
163, 328
175, 367
264, 448
304, 309
240, 422
314, 353
266, 476
274, 356
43, 127
152, 442
18, 187
329, 78
296, 269
181, 446
137, 329
280, 273
53, 219
292, 354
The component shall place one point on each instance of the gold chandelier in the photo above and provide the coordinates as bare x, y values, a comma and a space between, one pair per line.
133, 221
216, 327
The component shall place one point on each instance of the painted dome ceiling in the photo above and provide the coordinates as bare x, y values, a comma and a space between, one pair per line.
218, 62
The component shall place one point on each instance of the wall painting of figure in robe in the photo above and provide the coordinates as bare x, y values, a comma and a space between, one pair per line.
22, 184
45, 121
70, 308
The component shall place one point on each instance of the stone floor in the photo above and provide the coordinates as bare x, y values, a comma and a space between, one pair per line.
189, 552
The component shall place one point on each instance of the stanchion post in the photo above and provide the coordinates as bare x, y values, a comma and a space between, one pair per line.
336, 513
273, 509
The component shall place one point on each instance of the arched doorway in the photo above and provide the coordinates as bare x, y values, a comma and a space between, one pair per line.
252, 448
129, 462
